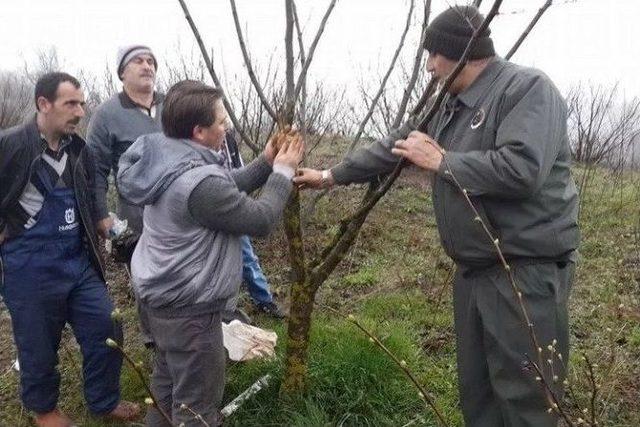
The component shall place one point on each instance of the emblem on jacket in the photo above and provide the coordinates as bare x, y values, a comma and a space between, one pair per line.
478, 118
70, 215
70, 219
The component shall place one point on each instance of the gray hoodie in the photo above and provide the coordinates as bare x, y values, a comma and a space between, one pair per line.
184, 263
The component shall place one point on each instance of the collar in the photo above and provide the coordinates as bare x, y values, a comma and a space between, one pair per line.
481, 84
36, 136
208, 155
127, 102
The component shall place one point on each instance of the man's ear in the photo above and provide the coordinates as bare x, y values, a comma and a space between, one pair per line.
196, 133
43, 104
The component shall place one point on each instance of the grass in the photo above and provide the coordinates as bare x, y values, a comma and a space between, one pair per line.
396, 282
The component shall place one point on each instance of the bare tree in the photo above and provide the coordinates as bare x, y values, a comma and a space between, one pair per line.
16, 99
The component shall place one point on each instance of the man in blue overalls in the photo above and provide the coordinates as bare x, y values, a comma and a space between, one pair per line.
50, 270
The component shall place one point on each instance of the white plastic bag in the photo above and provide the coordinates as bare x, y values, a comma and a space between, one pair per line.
246, 342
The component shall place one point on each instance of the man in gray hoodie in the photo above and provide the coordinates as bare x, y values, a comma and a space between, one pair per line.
188, 262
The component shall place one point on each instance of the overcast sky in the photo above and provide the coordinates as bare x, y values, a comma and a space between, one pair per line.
582, 40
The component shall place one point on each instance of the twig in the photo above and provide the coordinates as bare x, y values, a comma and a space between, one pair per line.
383, 83
113, 344
196, 416
555, 406
594, 389
526, 32
247, 62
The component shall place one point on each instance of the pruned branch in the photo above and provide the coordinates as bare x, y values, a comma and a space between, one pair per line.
247, 62
312, 49
526, 32
383, 83
207, 60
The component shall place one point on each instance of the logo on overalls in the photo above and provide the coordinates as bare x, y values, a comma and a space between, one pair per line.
70, 215
478, 119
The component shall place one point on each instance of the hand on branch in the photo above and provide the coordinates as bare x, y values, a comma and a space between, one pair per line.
313, 178
277, 140
290, 152
421, 150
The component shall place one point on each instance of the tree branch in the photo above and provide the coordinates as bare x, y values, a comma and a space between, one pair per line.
312, 49
247, 62
416, 67
526, 32
207, 60
383, 83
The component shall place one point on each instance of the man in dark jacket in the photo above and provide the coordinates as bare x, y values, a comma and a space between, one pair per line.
115, 125
504, 131
51, 272
118, 122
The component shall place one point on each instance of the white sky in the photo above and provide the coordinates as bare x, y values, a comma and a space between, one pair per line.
594, 40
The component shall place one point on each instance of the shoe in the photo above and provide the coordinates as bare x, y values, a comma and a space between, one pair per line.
271, 308
125, 411
54, 418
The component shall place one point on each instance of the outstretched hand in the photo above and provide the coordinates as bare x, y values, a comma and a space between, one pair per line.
308, 178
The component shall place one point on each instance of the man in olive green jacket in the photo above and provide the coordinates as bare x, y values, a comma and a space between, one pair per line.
503, 131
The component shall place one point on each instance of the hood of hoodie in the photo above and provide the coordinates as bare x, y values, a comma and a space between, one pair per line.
154, 161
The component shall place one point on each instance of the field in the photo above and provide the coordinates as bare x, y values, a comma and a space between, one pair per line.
396, 282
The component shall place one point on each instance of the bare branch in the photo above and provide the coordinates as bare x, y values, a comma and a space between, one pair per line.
303, 58
477, 3
383, 83
289, 97
247, 62
417, 63
207, 60
312, 49
526, 32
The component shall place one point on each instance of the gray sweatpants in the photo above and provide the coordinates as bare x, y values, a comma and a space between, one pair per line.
496, 388
188, 369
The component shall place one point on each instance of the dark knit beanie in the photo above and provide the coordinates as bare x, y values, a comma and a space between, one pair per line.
449, 33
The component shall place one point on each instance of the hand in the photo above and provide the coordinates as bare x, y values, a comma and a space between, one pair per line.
312, 178
104, 225
291, 152
421, 150
276, 141
270, 151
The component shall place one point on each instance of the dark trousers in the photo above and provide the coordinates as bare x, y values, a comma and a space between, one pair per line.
496, 387
41, 299
188, 369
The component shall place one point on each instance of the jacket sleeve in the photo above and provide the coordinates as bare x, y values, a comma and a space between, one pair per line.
527, 143
100, 145
218, 204
366, 163
252, 176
